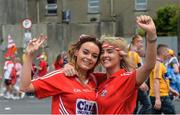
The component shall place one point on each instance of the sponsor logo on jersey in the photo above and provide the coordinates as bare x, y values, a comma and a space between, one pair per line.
126, 74
104, 92
81, 90
86, 107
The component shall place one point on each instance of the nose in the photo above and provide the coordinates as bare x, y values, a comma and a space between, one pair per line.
89, 56
104, 54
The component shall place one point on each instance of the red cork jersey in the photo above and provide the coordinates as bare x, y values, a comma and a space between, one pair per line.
117, 95
69, 96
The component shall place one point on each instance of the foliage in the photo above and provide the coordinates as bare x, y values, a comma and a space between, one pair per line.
166, 21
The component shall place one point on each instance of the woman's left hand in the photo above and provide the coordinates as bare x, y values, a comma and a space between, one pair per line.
147, 24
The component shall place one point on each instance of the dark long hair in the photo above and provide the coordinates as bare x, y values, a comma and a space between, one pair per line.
76, 46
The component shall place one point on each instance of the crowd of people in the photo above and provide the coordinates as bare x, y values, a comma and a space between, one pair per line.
13, 68
138, 78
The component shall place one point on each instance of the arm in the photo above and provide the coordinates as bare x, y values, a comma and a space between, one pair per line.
157, 86
25, 79
176, 68
147, 24
144, 87
70, 71
157, 94
174, 92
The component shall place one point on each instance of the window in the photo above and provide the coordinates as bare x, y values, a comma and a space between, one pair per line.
51, 7
140, 5
93, 6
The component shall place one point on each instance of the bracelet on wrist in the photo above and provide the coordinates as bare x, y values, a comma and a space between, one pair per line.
152, 41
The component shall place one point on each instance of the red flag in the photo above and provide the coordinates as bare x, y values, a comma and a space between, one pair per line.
11, 48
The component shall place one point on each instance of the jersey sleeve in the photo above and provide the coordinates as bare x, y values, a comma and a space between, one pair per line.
157, 72
51, 84
132, 80
138, 58
130, 86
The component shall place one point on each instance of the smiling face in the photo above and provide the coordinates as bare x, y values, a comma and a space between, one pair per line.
138, 42
110, 57
87, 56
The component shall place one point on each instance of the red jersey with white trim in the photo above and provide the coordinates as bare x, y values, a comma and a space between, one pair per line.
69, 96
117, 95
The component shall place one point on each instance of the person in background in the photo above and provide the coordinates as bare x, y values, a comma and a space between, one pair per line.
42, 68
58, 63
143, 104
18, 67
172, 66
159, 85
8, 67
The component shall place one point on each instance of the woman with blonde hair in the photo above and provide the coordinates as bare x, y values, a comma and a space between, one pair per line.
117, 88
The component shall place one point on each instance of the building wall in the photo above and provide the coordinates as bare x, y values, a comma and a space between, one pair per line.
124, 12
12, 11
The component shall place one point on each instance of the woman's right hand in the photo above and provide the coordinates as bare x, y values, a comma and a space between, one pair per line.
34, 44
69, 70
157, 105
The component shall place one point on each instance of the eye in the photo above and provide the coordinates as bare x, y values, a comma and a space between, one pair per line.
110, 50
85, 52
95, 56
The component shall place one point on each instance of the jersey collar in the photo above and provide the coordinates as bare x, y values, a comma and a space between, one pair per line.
118, 73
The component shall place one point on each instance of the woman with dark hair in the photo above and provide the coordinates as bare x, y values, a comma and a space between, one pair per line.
75, 95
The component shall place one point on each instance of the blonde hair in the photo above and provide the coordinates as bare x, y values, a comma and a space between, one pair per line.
126, 63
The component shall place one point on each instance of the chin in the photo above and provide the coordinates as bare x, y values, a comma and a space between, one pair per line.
86, 68
106, 66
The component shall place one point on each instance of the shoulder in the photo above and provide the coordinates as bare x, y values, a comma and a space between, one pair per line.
53, 74
128, 74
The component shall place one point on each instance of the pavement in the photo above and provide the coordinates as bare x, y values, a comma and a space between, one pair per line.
31, 105
27, 105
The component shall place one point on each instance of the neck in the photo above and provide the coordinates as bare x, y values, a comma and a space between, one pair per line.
133, 48
82, 75
112, 70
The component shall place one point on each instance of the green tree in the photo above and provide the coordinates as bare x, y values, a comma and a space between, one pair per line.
166, 21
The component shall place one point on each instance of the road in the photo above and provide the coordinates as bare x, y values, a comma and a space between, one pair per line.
29, 105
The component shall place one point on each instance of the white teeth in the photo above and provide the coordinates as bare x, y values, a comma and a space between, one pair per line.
86, 61
106, 60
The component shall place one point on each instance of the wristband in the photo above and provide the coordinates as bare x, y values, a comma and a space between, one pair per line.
152, 41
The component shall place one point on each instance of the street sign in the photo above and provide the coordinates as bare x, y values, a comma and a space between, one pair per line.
26, 23
27, 38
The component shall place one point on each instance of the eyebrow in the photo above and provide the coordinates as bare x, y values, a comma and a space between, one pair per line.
89, 51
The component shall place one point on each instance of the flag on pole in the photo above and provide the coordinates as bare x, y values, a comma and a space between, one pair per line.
11, 47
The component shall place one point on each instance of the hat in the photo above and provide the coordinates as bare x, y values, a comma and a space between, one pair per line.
170, 52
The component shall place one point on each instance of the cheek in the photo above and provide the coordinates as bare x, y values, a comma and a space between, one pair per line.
94, 61
117, 59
